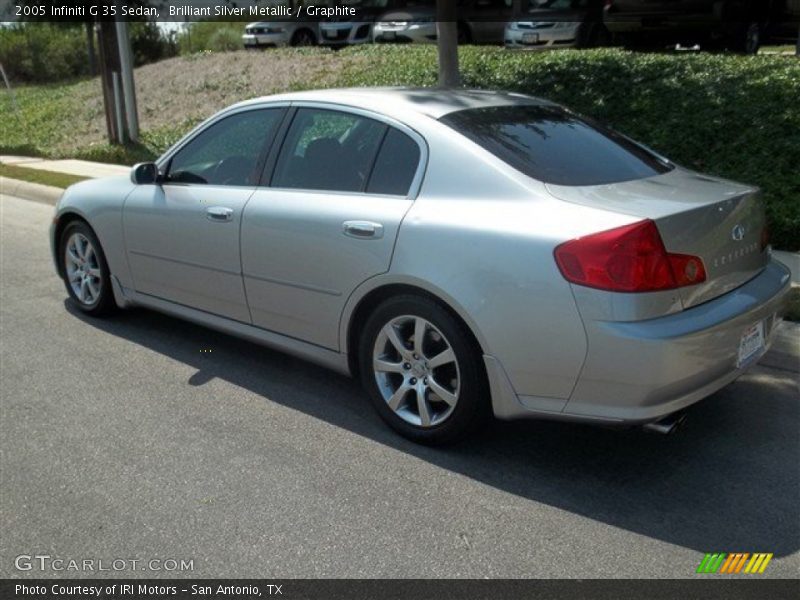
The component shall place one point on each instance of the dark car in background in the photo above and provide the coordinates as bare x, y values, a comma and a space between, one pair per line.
739, 25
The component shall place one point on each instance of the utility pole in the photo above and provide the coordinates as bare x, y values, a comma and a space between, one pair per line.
119, 93
126, 76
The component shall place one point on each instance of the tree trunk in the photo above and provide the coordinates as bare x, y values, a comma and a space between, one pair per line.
797, 48
447, 42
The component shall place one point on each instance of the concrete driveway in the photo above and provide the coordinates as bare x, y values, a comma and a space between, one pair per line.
144, 437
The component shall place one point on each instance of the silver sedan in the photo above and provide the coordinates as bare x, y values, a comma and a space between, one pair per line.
463, 253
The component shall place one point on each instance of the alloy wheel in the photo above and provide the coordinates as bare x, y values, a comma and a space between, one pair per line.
416, 370
83, 269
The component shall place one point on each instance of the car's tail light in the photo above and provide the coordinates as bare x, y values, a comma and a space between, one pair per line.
627, 259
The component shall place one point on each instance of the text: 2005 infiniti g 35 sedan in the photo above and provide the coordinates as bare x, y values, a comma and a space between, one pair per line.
464, 253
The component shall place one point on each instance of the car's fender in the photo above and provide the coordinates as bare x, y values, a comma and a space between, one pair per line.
99, 202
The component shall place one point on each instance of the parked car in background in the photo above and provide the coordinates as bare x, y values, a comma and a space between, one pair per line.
558, 24
414, 21
479, 22
463, 253
343, 31
271, 34
739, 25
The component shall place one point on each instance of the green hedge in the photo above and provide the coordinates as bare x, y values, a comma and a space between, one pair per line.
732, 116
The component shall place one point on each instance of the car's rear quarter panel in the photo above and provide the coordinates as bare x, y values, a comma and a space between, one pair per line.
482, 238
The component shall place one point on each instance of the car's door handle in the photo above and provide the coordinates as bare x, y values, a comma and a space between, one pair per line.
363, 229
219, 213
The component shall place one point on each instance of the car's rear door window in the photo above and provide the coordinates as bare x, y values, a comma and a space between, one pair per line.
228, 151
556, 146
328, 150
396, 165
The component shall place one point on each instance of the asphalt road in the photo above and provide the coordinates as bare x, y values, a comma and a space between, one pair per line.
145, 437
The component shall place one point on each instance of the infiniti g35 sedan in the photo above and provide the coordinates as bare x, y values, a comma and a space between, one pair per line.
463, 253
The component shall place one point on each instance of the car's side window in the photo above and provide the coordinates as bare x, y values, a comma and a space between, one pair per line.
395, 166
227, 152
328, 150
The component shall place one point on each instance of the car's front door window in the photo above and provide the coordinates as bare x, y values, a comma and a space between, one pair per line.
227, 152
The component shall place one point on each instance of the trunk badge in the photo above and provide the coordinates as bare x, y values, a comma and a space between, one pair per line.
737, 233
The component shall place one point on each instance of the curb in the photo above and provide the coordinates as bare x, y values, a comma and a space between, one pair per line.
46, 194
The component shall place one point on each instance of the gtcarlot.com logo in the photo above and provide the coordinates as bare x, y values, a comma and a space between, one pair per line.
735, 563
45, 562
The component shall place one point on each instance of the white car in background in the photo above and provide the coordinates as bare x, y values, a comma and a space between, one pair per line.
271, 34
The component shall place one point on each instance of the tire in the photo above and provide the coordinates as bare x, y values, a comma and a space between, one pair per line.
593, 35
747, 40
303, 37
453, 392
463, 35
85, 270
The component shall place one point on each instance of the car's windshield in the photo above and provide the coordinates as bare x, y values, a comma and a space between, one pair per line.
556, 146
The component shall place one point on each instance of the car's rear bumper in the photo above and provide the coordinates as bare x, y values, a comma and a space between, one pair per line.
541, 39
641, 371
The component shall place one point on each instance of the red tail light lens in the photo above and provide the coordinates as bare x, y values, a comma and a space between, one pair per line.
627, 259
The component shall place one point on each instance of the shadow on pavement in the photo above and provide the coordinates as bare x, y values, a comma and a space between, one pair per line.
728, 481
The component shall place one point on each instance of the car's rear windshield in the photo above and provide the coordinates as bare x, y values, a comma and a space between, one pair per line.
556, 146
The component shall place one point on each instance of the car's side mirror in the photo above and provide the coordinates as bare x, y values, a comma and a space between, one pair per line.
144, 173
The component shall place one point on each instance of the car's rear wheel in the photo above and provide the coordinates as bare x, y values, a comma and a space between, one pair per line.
85, 270
422, 371
303, 37
747, 39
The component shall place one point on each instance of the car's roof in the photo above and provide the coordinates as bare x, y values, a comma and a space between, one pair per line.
433, 102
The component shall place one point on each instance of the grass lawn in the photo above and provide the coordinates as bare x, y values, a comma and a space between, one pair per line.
60, 180
728, 115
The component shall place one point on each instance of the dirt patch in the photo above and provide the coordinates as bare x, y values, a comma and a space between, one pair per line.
185, 89
196, 86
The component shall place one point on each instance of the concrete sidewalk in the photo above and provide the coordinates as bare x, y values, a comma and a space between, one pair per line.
81, 168
47, 193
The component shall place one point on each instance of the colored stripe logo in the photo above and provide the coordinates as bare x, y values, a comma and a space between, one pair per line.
737, 562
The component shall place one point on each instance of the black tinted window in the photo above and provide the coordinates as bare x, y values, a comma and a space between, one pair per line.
395, 166
328, 150
555, 146
227, 152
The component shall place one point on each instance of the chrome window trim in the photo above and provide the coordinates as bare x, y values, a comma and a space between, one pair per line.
416, 182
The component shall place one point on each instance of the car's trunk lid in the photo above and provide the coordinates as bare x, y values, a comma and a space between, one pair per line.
718, 220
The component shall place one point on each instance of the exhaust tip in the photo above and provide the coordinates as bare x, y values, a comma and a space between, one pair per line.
668, 425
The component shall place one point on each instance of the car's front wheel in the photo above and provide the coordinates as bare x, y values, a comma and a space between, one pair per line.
85, 270
422, 371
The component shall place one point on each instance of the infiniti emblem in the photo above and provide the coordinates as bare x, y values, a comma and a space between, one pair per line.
737, 233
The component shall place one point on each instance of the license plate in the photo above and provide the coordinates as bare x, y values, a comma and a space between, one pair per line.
389, 35
751, 345
530, 38
250, 42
